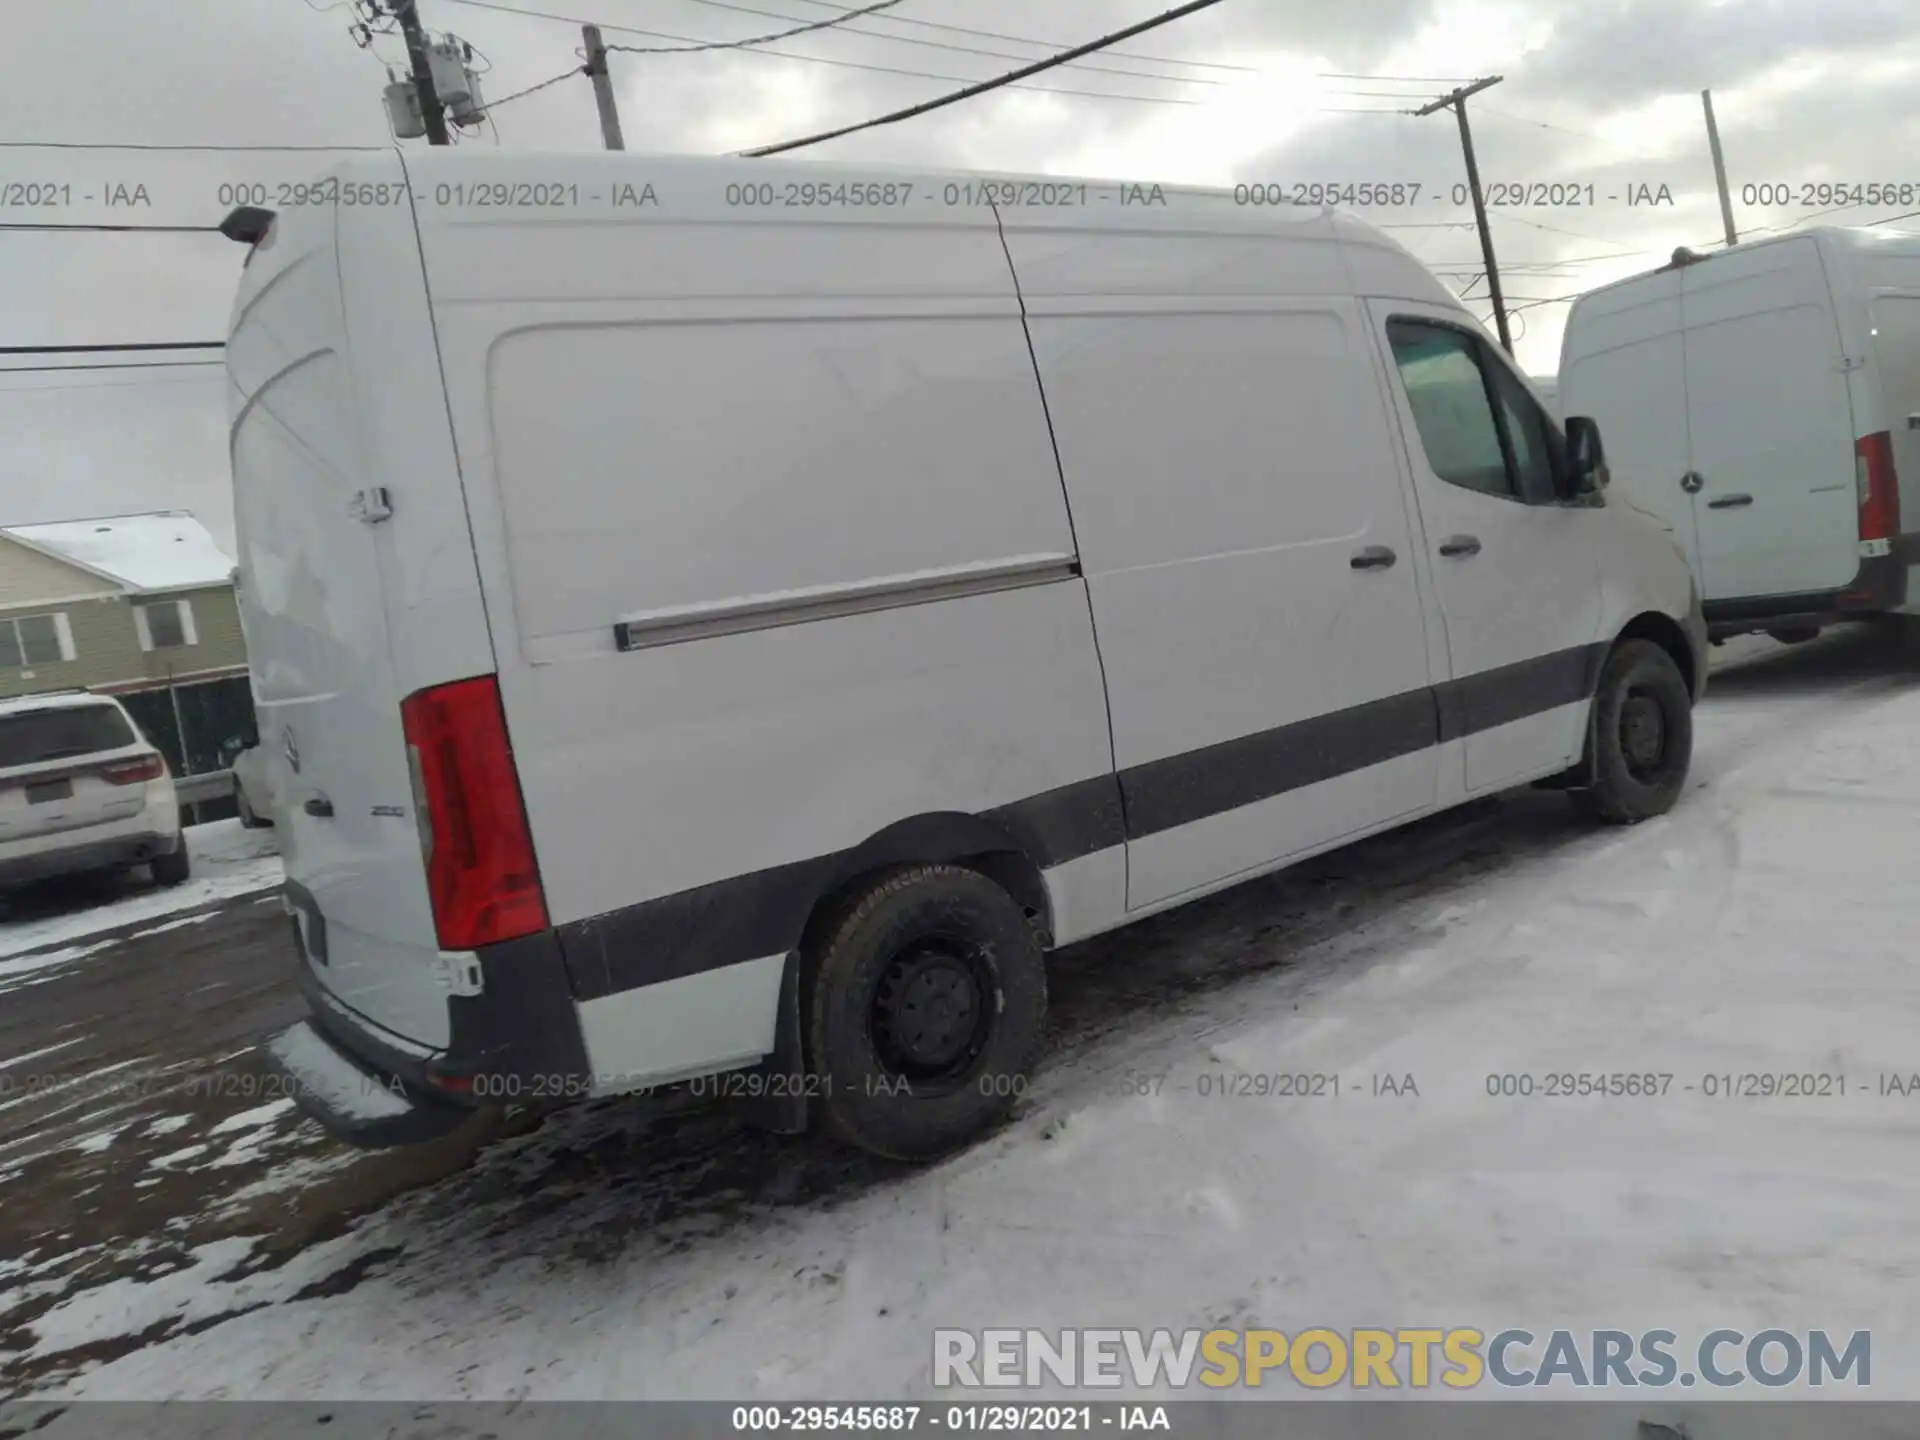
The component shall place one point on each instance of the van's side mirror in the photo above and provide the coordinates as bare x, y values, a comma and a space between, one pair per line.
1586, 472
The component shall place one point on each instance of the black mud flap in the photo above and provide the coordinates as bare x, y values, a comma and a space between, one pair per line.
773, 1095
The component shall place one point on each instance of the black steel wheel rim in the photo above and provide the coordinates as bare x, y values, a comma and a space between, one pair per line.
1643, 735
931, 1012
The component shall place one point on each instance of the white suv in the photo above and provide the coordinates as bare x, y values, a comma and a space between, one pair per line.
82, 789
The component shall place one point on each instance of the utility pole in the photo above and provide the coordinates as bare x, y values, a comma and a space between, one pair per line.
602, 87
407, 12
1719, 168
1457, 101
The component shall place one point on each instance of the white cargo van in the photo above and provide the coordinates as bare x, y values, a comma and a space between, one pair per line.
716, 618
1765, 400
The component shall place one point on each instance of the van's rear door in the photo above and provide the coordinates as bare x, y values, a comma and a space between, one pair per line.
316, 586
1895, 332
1771, 425
1622, 363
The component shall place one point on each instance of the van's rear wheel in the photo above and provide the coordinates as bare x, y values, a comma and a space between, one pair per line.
1642, 736
925, 1012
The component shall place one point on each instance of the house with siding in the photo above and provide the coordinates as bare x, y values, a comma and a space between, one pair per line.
139, 606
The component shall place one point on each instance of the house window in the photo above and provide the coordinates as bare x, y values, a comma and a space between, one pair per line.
35, 640
165, 625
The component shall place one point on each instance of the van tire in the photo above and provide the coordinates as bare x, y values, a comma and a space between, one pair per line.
1642, 736
174, 869
918, 936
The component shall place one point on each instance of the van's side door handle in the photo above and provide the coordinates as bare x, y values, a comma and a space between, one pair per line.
1456, 546
1729, 502
1374, 557
319, 806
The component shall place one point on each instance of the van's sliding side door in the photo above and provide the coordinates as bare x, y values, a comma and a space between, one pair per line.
1245, 541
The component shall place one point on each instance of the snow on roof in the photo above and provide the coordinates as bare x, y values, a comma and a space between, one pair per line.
164, 550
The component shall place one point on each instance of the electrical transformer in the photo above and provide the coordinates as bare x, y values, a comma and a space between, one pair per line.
469, 109
452, 81
403, 110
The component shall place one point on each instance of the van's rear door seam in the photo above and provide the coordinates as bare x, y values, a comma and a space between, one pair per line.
1066, 499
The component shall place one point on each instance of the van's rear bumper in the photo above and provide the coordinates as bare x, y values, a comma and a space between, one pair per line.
1880, 585
517, 1042
352, 1100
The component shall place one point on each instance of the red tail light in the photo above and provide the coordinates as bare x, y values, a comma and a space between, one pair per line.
481, 874
1878, 486
137, 772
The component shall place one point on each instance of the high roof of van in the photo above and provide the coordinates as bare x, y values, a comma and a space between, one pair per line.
624, 187
1839, 242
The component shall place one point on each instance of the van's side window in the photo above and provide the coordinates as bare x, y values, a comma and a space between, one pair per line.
1447, 392
1527, 431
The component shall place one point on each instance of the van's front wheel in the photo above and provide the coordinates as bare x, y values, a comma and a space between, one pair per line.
925, 1013
1642, 736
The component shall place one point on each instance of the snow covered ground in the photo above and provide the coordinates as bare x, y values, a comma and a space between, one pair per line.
1766, 927
228, 860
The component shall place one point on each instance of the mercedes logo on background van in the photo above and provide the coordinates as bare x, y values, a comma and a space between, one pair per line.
290, 748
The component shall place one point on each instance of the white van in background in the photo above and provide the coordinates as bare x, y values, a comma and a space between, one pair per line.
712, 616
1765, 400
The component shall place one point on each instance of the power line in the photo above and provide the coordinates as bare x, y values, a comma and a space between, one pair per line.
1409, 79
1808, 219
1112, 54
846, 15
973, 49
694, 45
787, 34
932, 75
1376, 95
1469, 267
1548, 300
1015, 39
1557, 230
1541, 124
981, 88
563, 75
691, 45
114, 349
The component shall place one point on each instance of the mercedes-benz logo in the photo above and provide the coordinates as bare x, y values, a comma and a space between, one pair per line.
291, 750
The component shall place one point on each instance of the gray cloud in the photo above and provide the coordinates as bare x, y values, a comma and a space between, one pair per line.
1611, 54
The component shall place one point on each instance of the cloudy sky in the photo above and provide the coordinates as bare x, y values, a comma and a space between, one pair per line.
1600, 93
